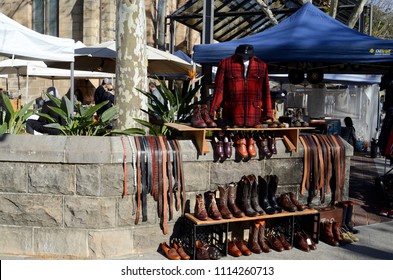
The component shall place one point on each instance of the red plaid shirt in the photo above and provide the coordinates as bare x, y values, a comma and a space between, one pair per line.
244, 100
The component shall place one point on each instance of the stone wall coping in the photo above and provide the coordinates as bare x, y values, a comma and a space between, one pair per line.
99, 150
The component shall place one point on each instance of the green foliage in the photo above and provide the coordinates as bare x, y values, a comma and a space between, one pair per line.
13, 121
176, 108
82, 121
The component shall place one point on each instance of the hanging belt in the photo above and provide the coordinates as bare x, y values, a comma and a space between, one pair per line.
182, 186
321, 169
124, 166
313, 168
175, 172
163, 194
306, 166
139, 177
131, 140
160, 177
145, 175
328, 160
154, 171
169, 174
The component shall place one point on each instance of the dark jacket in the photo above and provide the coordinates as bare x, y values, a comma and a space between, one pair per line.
102, 95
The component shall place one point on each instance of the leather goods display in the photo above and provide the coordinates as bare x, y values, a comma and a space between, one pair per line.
324, 166
158, 171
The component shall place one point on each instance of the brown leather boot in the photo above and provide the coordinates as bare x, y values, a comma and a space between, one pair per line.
253, 239
245, 192
299, 206
327, 233
200, 209
213, 211
286, 203
222, 202
255, 194
205, 116
336, 229
197, 120
262, 238
232, 188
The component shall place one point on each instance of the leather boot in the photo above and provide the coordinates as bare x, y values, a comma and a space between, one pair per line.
244, 189
205, 116
255, 194
227, 147
337, 233
327, 233
233, 250
272, 144
286, 203
252, 152
222, 202
213, 211
263, 196
200, 209
242, 247
253, 239
299, 206
348, 218
241, 146
197, 120
272, 189
262, 238
263, 145
301, 242
236, 212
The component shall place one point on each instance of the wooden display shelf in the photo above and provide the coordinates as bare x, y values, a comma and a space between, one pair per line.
199, 134
210, 221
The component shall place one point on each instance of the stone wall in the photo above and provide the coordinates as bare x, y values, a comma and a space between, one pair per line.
61, 197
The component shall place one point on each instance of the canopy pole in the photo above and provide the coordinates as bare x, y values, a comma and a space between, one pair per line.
72, 89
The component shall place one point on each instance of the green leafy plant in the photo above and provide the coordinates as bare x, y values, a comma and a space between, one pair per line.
13, 121
176, 108
82, 120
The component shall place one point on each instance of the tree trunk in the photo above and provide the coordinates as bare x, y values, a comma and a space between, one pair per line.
131, 64
333, 8
161, 26
356, 12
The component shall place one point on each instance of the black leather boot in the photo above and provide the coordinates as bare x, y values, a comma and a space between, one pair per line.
254, 194
272, 189
348, 217
244, 196
263, 199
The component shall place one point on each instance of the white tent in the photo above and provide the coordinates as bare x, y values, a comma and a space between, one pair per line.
102, 57
18, 41
36, 68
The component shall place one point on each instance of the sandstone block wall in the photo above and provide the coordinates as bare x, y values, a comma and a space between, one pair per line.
61, 197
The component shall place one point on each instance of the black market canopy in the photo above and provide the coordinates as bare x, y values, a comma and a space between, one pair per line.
309, 39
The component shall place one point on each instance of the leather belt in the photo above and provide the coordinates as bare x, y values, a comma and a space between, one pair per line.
182, 186
306, 165
164, 217
169, 174
320, 178
176, 185
145, 175
154, 171
124, 166
328, 161
139, 176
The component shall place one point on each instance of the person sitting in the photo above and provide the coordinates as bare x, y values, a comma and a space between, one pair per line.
348, 132
101, 94
39, 124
